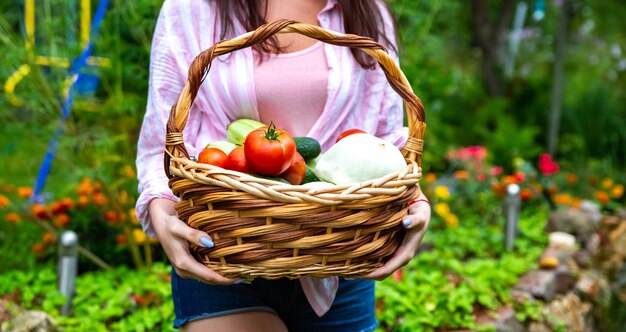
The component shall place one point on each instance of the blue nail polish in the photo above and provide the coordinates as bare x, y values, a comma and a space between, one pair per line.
239, 281
406, 222
206, 242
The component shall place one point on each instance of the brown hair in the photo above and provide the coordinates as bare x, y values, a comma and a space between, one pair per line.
365, 19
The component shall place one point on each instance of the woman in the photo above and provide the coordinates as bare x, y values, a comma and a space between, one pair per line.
308, 88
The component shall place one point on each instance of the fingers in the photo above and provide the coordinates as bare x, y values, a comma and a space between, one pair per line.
192, 269
192, 235
175, 241
401, 257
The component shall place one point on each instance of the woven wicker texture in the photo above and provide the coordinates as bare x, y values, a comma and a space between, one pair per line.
263, 228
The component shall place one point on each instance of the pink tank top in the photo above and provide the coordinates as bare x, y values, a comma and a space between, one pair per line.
291, 88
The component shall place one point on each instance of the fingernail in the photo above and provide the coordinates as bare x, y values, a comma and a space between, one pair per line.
206, 242
358, 277
406, 222
239, 281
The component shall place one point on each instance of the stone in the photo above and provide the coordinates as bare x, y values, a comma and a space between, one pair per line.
31, 321
593, 244
610, 221
578, 222
564, 256
538, 327
583, 258
548, 262
573, 313
522, 297
540, 283
562, 241
612, 253
504, 321
564, 279
592, 286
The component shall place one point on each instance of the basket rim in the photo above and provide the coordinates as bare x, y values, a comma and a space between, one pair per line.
392, 184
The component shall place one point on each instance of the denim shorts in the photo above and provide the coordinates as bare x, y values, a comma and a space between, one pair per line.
352, 310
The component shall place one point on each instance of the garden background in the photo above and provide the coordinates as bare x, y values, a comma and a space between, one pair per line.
492, 76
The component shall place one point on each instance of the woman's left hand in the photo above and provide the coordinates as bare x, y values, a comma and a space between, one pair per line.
416, 223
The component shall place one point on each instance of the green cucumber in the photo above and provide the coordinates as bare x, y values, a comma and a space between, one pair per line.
307, 147
309, 176
237, 130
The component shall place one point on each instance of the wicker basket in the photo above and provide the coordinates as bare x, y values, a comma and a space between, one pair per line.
263, 228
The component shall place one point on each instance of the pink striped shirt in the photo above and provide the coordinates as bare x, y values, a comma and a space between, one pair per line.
356, 98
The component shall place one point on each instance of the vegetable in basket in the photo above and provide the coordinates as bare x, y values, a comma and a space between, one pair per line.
236, 160
269, 151
296, 172
357, 158
308, 148
237, 130
212, 156
225, 146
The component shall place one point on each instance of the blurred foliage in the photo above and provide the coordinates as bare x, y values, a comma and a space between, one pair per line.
117, 300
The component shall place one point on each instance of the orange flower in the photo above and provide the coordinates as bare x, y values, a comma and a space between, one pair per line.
12, 217
24, 192
498, 188
121, 239
99, 199
139, 235
37, 247
83, 200
67, 202
111, 217
61, 220
526, 194
431, 177
461, 174
607, 183
133, 216
4, 201
572, 178
602, 197
40, 211
58, 208
576, 203
564, 199
47, 237
129, 171
123, 197
85, 187
617, 191
122, 216
509, 179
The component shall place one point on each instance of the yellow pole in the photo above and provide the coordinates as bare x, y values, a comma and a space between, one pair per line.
85, 21
9, 85
29, 18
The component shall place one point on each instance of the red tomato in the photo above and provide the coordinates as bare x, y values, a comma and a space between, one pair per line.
296, 172
269, 151
237, 160
350, 132
213, 156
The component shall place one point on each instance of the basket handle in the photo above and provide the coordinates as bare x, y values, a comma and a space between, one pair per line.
174, 143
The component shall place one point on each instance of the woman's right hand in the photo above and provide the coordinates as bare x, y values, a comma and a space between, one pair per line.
175, 236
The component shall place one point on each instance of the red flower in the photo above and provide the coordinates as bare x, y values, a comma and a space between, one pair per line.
546, 165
